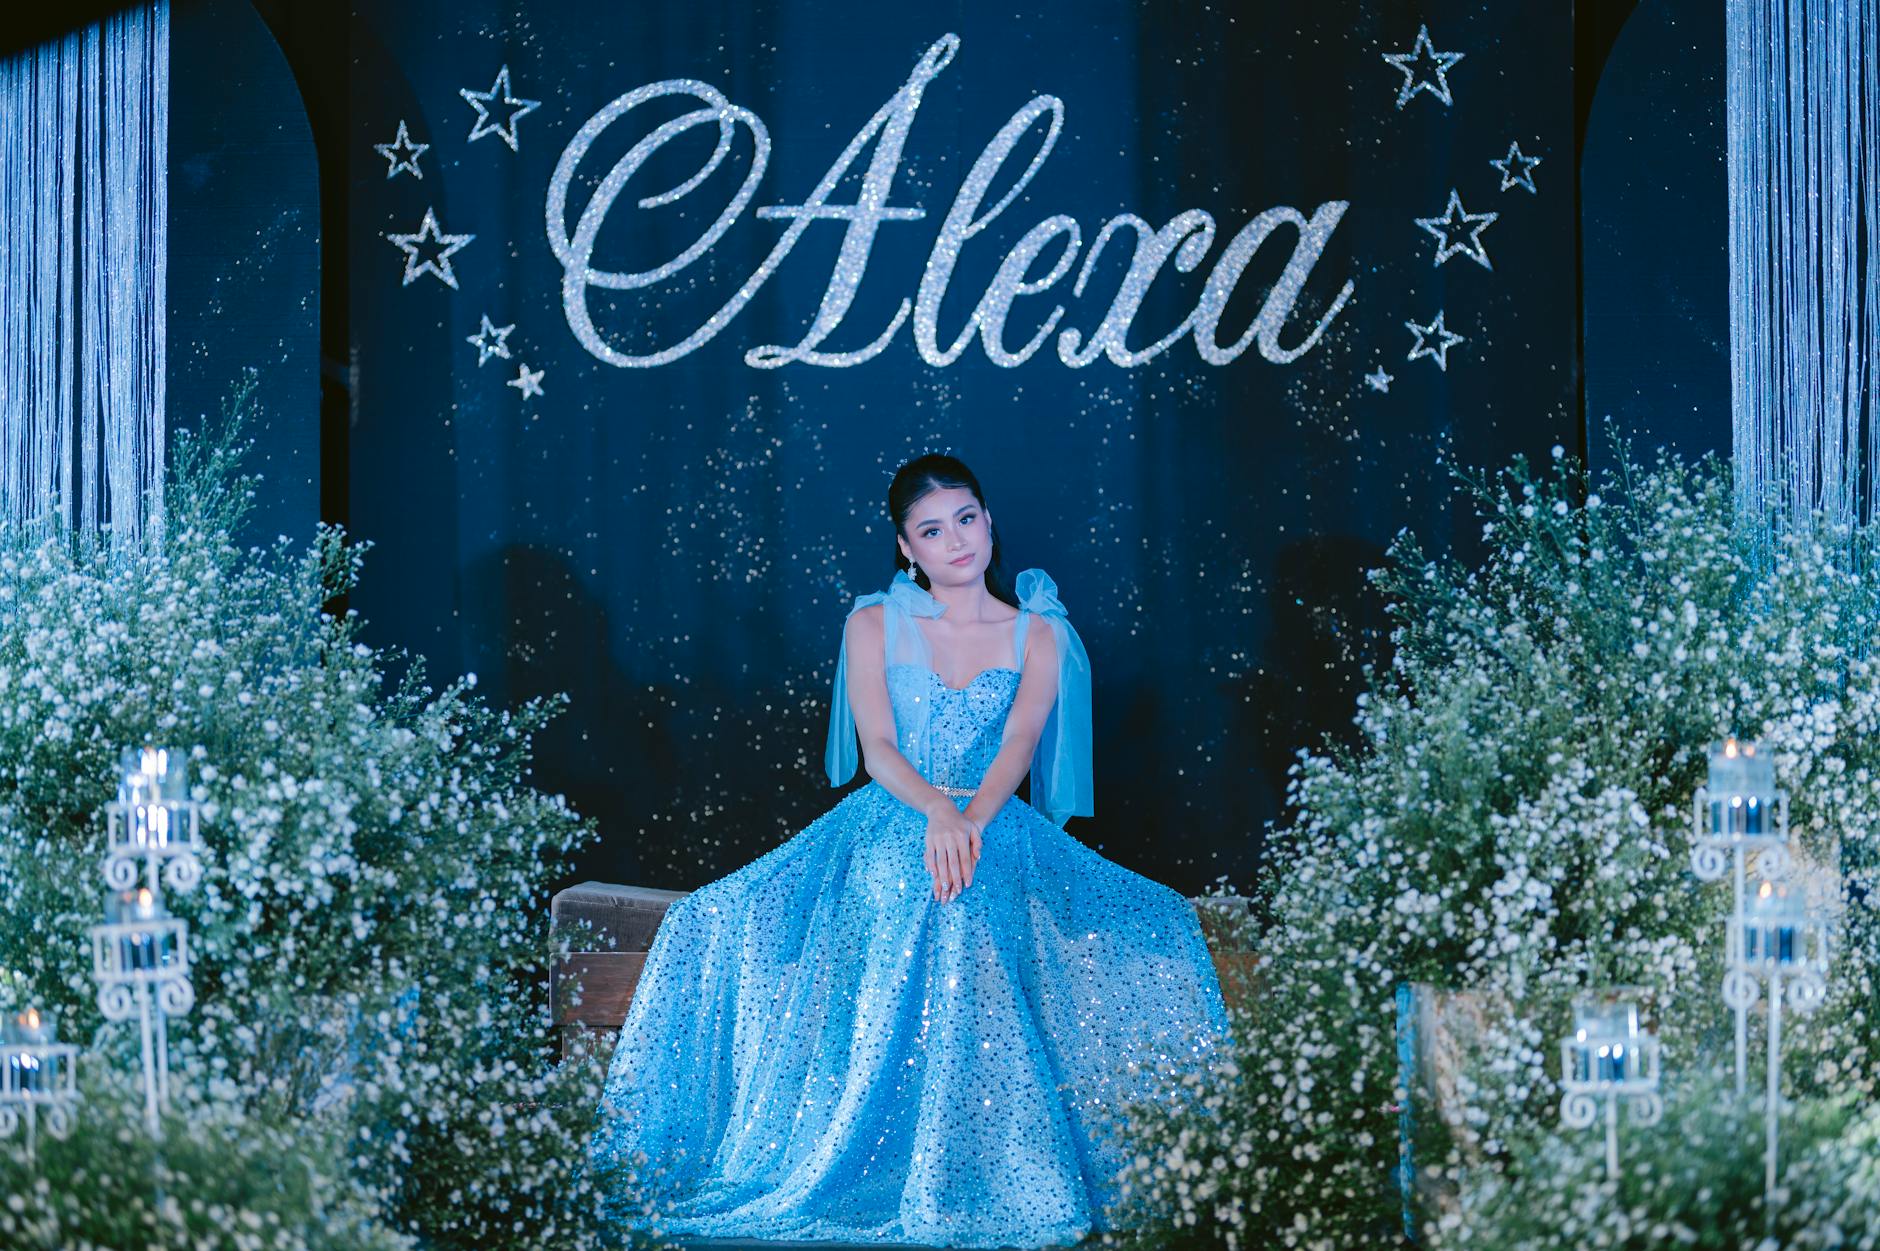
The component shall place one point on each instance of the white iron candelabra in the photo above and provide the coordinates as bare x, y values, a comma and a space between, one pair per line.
1776, 939
1736, 814
141, 960
1608, 1058
153, 826
36, 1071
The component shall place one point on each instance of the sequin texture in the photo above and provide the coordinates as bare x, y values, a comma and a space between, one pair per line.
818, 1049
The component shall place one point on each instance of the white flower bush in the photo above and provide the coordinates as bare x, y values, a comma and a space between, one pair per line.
370, 938
1513, 821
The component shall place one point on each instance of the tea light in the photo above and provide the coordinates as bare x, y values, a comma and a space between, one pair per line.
35, 1060
1606, 1058
1741, 788
38, 1078
152, 774
29, 1027
1605, 1036
1773, 922
138, 911
142, 904
152, 829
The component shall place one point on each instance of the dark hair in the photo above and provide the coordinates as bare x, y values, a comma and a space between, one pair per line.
934, 472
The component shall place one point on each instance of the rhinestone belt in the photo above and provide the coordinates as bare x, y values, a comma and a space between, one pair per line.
956, 791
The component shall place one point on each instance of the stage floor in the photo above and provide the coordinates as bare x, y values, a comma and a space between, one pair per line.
761, 1244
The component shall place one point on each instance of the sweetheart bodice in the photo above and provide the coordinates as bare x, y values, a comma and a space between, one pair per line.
950, 734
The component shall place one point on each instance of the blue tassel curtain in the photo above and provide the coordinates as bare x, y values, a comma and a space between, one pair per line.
1804, 169
84, 125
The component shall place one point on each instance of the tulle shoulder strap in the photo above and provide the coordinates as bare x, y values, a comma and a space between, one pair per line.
1061, 773
902, 642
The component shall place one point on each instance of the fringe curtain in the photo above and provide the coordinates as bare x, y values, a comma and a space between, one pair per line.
84, 224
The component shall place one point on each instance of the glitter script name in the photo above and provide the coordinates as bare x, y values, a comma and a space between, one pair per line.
1186, 239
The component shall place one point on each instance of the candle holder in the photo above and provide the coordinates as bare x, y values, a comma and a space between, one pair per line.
1776, 939
153, 827
140, 957
1737, 813
36, 1071
1608, 1058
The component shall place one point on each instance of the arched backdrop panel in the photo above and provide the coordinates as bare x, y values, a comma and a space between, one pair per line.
1655, 219
245, 251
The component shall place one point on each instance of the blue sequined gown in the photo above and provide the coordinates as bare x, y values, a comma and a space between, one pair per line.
817, 1049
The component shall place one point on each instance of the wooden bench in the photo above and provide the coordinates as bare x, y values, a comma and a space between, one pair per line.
610, 929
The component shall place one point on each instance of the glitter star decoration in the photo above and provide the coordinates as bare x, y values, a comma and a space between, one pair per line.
494, 122
1379, 380
402, 153
1517, 169
1435, 80
1445, 339
528, 381
1450, 228
491, 340
439, 263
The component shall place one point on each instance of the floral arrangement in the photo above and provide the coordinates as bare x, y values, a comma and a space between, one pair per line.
370, 937
1512, 825
1704, 1188
218, 1177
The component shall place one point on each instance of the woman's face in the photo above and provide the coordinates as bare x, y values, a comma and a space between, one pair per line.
949, 536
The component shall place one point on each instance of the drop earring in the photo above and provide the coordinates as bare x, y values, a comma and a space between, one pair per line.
913, 571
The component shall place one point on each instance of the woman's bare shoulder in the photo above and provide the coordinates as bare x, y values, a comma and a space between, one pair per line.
1039, 640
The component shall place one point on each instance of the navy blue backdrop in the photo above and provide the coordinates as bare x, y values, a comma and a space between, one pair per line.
675, 545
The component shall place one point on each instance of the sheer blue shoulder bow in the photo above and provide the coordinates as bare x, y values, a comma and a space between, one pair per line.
906, 595
1061, 784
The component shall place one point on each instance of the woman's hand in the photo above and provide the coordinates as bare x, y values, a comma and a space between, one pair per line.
953, 844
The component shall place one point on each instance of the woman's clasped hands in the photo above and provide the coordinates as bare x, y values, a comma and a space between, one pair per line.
953, 844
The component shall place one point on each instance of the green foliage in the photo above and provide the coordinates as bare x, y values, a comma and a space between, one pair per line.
219, 1179
1695, 1180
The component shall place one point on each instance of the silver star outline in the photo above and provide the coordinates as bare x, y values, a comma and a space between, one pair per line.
1379, 380
439, 264
1446, 339
1405, 62
491, 340
1517, 168
480, 101
395, 153
528, 381
1471, 224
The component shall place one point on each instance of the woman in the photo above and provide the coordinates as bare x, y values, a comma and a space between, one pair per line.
906, 1023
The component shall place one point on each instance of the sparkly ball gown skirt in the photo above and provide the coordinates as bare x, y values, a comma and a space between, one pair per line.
817, 1049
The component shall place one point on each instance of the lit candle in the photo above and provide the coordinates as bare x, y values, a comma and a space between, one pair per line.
137, 948
1605, 1033
1773, 923
1741, 788
155, 773
22, 1031
30, 1027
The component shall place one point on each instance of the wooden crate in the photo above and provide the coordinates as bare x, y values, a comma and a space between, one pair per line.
588, 993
